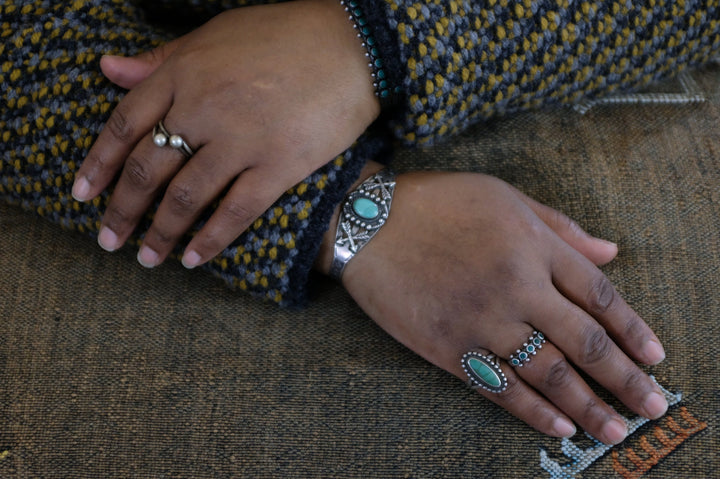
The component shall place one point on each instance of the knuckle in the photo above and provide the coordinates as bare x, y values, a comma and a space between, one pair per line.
157, 55
160, 238
138, 173
116, 217
513, 390
601, 295
509, 272
632, 379
209, 242
512, 278
181, 199
236, 213
534, 227
559, 220
566, 223
597, 347
120, 125
590, 407
96, 163
558, 374
634, 327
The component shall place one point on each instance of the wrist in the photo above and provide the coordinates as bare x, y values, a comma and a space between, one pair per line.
357, 16
359, 79
327, 247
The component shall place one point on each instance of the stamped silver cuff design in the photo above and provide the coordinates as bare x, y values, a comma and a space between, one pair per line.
364, 211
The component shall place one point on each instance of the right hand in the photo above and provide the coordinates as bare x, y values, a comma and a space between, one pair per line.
265, 95
466, 263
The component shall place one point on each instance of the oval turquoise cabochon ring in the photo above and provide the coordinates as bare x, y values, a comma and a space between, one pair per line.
484, 372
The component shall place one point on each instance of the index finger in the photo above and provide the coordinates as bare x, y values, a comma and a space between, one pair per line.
134, 116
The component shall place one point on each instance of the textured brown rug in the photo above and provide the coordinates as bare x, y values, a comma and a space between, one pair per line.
110, 370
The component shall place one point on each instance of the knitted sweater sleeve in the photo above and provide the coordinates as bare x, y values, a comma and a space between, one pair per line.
456, 63
462, 61
54, 101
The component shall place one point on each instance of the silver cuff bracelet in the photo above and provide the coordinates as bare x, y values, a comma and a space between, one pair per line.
364, 211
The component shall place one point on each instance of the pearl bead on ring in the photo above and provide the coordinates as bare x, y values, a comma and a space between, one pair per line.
161, 137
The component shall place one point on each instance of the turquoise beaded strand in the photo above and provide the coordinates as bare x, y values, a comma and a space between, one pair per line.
380, 83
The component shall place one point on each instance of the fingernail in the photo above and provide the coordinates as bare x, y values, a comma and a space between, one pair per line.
191, 259
614, 431
653, 352
655, 405
108, 57
607, 242
563, 427
107, 239
81, 189
147, 257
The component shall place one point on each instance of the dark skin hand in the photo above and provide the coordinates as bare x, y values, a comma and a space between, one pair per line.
465, 262
468, 263
250, 94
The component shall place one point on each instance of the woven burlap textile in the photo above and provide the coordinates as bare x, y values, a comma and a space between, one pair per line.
111, 370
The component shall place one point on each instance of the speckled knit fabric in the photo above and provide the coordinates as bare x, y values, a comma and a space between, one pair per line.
465, 61
55, 101
458, 62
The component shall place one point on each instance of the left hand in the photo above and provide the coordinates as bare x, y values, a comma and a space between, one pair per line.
263, 95
467, 263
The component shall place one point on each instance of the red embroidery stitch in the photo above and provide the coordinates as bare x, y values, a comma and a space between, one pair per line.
654, 454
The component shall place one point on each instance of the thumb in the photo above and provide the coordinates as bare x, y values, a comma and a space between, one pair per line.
597, 250
127, 72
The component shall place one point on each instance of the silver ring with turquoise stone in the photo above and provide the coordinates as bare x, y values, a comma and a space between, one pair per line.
528, 350
364, 211
484, 372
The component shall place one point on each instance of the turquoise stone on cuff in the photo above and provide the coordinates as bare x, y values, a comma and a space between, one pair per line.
484, 372
365, 208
